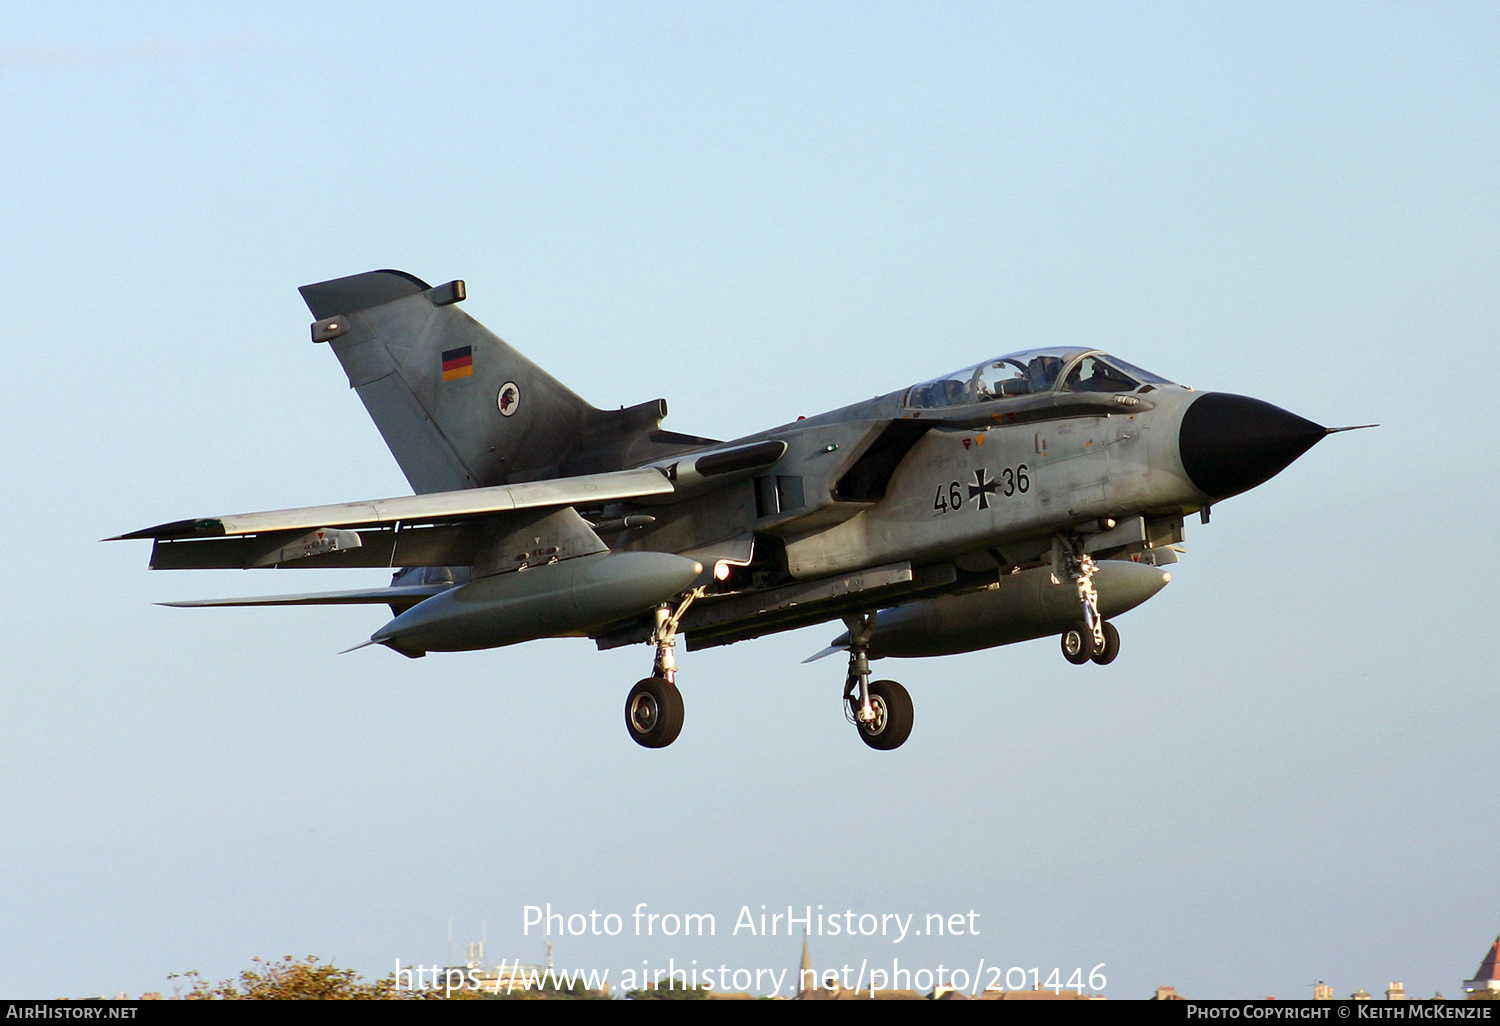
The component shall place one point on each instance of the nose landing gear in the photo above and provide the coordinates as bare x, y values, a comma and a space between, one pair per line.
1090, 638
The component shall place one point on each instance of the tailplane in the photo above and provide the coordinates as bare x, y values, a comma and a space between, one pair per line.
459, 408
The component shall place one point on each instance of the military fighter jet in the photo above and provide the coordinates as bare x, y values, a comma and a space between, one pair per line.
1040, 493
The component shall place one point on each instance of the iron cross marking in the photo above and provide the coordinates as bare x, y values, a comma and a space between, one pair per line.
982, 488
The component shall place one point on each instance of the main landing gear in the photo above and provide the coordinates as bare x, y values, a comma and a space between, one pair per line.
1090, 638
881, 711
653, 710
653, 713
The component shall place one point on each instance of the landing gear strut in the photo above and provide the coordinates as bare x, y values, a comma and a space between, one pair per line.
1090, 638
881, 711
653, 710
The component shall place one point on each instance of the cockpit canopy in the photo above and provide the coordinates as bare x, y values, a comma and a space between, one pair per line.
1029, 373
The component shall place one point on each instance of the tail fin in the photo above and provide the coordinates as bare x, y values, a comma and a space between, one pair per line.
459, 408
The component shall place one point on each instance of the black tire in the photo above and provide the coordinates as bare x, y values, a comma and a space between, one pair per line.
653, 713
893, 716
1078, 643
1111, 645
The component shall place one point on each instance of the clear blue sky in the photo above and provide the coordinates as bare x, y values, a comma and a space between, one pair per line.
756, 211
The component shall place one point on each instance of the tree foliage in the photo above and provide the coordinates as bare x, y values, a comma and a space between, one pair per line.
670, 992
547, 992
296, 979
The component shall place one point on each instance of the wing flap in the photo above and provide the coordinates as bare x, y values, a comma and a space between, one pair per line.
435, 506
383, 546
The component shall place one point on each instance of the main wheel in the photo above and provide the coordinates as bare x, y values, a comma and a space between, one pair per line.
1111, 645
653, 713
893, 716
1078, 643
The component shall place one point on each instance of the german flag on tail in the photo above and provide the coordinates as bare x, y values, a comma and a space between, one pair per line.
458, 363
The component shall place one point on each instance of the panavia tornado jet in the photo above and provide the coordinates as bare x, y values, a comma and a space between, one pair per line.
1040, 493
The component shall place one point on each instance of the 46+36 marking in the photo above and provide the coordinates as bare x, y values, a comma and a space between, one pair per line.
950, 497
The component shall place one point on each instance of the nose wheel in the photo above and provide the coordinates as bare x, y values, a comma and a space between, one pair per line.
1106, 655
1078, 644
1090, 638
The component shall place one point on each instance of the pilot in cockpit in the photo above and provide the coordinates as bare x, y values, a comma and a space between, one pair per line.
1041, 372
1101, 377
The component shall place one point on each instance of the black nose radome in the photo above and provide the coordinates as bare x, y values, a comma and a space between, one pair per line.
1231, 443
